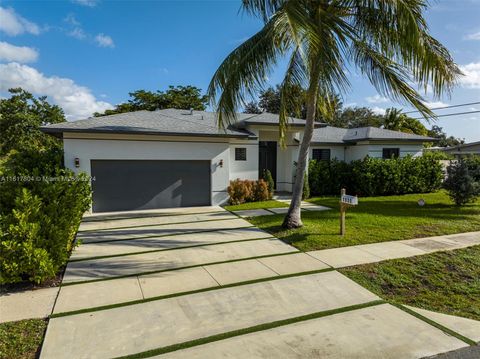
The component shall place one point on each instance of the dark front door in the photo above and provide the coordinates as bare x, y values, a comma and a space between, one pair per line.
268, 158
135, 184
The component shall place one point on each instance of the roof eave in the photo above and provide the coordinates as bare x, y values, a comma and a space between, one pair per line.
426, 139
300, 125
60, 131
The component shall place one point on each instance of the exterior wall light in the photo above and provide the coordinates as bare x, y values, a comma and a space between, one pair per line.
77, 162
220, 163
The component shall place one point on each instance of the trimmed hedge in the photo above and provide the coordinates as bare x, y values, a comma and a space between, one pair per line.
376, 177
41, 208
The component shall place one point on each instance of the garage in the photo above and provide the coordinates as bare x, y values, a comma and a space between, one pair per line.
122, 185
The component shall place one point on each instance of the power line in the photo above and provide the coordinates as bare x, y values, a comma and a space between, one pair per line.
451, 114
441, 108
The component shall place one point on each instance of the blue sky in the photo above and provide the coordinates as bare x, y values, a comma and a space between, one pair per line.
86, 55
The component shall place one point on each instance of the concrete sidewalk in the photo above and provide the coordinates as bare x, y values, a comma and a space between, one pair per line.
136, 328
121, 290
377, 332
376, 252
94, 269
90, 250
206, 283
115, 234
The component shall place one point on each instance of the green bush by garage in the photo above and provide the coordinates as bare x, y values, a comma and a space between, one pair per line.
41, 203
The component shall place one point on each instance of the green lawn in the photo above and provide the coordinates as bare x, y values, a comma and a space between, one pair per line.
376, 219
447, 282
256, 205
21, 339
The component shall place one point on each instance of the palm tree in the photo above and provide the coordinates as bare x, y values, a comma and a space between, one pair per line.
387, 41
394, 119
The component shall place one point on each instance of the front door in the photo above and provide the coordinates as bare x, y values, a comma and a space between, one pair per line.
268, 158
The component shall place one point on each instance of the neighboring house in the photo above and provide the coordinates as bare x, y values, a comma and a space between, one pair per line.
472, 148
178, 158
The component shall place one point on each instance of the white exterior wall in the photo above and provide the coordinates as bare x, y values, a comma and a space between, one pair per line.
356, 152
376, 150
244, 169
361, 150
336, 152
103, 149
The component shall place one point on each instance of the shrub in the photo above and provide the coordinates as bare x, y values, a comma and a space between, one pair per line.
260, 191
238, 191
460, 183
374, 176
267, 176
39, 216
473, 164
241, 191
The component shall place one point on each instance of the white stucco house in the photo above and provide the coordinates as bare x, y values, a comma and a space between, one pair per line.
177, 158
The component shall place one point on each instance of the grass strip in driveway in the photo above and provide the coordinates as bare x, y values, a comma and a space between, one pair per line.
445, 282
165, 249
256, 205
163, 235
124, 304
113, 217
435, 324
252, 329
157, 224
173, 269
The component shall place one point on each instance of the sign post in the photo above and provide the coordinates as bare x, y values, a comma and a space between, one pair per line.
345, 202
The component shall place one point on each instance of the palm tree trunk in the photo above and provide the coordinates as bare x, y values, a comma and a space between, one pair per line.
293, 218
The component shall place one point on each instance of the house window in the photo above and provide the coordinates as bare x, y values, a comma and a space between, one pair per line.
240, 154
321, 154
388, 153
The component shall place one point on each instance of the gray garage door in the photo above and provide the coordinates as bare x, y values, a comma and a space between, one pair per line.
131, 185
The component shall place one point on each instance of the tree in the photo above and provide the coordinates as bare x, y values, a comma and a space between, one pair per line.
252, 107
461, 183
180, 97
352, 117
21, 116
386, 41
444, 141
269, 101
397, 121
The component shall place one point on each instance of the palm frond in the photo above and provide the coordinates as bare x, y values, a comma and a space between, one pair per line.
263, 9
389, 78
243, 72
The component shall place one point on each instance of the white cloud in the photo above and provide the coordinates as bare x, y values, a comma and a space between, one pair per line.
473, 36
103, 40
379, 110
9, 52
13, 24
377, 99
77, 101
72, 20
436, 104
89, 3
472, 75
77, 33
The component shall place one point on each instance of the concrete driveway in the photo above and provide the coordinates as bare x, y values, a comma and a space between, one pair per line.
201, 282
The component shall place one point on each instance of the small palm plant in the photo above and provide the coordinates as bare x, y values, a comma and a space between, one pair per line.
387, 41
